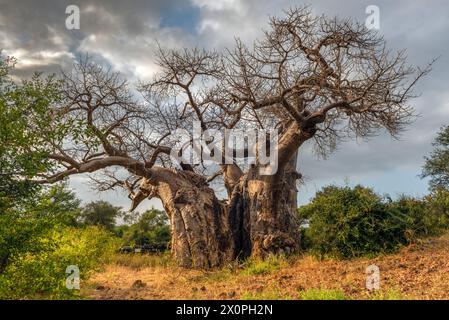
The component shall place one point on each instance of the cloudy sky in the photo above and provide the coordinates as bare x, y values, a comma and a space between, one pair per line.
124, 35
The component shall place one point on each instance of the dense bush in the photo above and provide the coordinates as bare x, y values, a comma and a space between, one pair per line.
349, 222
41, 274
417, 220
39, 238
151, 227
437, 205
24, 219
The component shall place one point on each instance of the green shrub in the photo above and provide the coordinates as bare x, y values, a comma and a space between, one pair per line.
24, 219
347, 222
41, 274
424, 217
437, 206
417, 219
322, 294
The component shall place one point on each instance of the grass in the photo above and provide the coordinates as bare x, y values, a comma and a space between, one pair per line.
322, 294
418, 271
141, 261
256, 266
216, 276
390, 294
266, 295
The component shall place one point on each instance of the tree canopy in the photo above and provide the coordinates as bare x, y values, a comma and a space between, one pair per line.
100, 213
437, 164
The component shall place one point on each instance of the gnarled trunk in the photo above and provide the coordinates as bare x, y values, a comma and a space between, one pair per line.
259, 217
201, 234
207, 233
262, 213
271, 208
270, 200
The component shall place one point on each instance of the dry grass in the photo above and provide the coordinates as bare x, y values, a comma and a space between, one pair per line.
419, 271
141, 261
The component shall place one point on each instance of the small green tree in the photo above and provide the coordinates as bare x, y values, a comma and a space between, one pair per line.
437, 206
26, 109
151, 227
437, 164
24, 221
100, 213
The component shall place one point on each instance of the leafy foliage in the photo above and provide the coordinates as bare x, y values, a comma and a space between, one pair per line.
418, 220
437, 206
151, 227
100, 213
437, 165
349, 222
26, 110
41, 274
24, 220
38, 241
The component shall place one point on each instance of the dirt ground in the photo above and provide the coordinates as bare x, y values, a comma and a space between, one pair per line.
419, 271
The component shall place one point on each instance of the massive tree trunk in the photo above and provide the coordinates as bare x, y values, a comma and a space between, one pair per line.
201, 233
259, 217
263, 207
262, 213
207, 233
271, 207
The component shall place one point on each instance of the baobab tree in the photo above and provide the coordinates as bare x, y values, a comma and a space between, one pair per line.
310, 78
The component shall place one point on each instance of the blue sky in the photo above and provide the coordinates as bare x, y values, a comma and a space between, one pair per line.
184, 16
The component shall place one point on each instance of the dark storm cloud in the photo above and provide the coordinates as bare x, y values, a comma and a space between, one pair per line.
124, 34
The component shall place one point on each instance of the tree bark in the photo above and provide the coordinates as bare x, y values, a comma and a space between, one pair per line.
265, 205
201, 233
263, 214
271, 208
